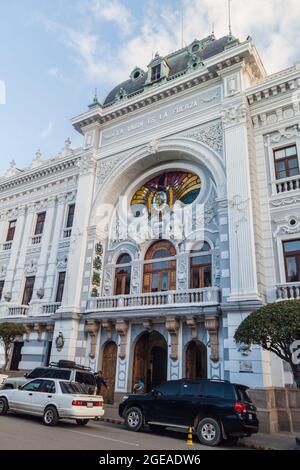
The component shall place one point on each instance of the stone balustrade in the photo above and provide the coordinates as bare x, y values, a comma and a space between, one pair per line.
288, 291
36, 240
288, 184
206, 296
6, 246
36, 309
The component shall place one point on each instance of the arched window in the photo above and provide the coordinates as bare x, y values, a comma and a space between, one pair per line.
123, 275
200, 267
160, 267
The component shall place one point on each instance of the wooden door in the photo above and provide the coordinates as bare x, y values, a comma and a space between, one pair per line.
141, 360
109, 362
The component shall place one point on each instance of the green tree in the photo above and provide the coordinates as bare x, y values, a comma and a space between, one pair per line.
8, 334
274, 327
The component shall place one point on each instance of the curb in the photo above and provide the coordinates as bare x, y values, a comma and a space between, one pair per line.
110, 420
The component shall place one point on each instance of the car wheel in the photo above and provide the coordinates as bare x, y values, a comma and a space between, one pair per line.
134, 419
209, 432
50, 417
82, 422
3, 406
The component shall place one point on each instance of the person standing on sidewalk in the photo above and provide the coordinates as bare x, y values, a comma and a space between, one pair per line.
100, 381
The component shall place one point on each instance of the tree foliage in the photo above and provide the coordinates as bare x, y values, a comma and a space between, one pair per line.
8, 333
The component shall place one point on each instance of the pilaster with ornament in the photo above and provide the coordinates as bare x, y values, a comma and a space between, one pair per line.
172, 325
79, 236
212, 326
122, 330
92, 327
240, 218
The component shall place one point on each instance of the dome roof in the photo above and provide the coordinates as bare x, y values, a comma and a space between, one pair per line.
178, 63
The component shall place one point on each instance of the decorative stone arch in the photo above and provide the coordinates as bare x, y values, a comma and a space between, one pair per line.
138, 161
195, 359
149, 358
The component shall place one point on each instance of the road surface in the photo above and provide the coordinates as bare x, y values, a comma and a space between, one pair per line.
20, 432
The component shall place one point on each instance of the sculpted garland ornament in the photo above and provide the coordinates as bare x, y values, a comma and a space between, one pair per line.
59, 342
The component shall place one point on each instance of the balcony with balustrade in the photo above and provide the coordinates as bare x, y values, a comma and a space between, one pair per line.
154, 301
35, 309
288, 291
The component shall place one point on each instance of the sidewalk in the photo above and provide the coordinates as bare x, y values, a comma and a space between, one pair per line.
260, 441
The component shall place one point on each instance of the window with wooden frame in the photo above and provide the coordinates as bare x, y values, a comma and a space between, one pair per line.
286, 162
11, 230
160, 267
60, 286
1, 288
123, 275
40, 221
200, 267
28, 290
156, 72
291, 253
70, 217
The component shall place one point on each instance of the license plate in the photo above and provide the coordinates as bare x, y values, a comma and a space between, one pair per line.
250, 416
90, 404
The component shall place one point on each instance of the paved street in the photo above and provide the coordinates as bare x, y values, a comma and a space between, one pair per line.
19, 432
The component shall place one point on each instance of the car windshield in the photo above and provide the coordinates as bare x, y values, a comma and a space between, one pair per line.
73, 388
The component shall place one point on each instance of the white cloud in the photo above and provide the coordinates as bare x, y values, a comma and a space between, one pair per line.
273, 24
48, 130
58, 74
113, 11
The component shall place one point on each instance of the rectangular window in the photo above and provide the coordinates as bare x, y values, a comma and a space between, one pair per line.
286, 162
1, 288
28, 290
40, 221
291, 253
155, 72
11, 231
60, 286
70, 218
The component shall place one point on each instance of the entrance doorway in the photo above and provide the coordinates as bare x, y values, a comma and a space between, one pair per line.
109, 362
16, 355
150, 360
196, 360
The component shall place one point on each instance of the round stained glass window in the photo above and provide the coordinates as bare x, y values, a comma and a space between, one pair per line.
164, 190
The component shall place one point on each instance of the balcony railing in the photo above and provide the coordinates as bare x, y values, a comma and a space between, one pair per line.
288, 291
288, 184
36, 239
48, 309
6, 246
18, 311
209, 295
66, 232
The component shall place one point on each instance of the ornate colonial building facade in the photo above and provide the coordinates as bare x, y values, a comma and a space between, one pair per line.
202, 127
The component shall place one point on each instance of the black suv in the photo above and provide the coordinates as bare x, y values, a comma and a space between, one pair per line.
216, 410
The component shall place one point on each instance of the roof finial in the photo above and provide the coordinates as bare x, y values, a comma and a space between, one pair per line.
95, 96
229, 18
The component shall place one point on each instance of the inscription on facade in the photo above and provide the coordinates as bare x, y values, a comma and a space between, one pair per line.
168, 114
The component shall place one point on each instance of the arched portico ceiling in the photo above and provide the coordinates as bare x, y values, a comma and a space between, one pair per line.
170, 150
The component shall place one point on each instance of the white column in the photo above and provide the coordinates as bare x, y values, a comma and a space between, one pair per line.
241, 231
46, 238
76, 261
51, 271
17, 248
26, 232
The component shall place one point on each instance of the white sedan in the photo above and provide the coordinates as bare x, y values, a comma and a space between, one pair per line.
53, 400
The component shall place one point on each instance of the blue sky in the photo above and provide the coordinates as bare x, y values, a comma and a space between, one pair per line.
54, 53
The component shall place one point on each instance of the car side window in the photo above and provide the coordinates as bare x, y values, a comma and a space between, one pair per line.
32, 386
169, 388
47, 386
35, 373
61, 374
84, 378
191, 389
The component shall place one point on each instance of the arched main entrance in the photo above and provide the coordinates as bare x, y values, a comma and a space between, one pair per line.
150, 360
196, 360
109, 361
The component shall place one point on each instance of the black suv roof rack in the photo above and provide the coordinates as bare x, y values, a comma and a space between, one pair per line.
209, 380
65, 364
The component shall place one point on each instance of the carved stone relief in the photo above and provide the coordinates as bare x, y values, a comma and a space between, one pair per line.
211, 135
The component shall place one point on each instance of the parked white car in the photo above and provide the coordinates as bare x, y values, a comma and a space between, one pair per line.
53, 400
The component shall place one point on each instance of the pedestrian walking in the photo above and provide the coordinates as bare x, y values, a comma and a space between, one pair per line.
100, 381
